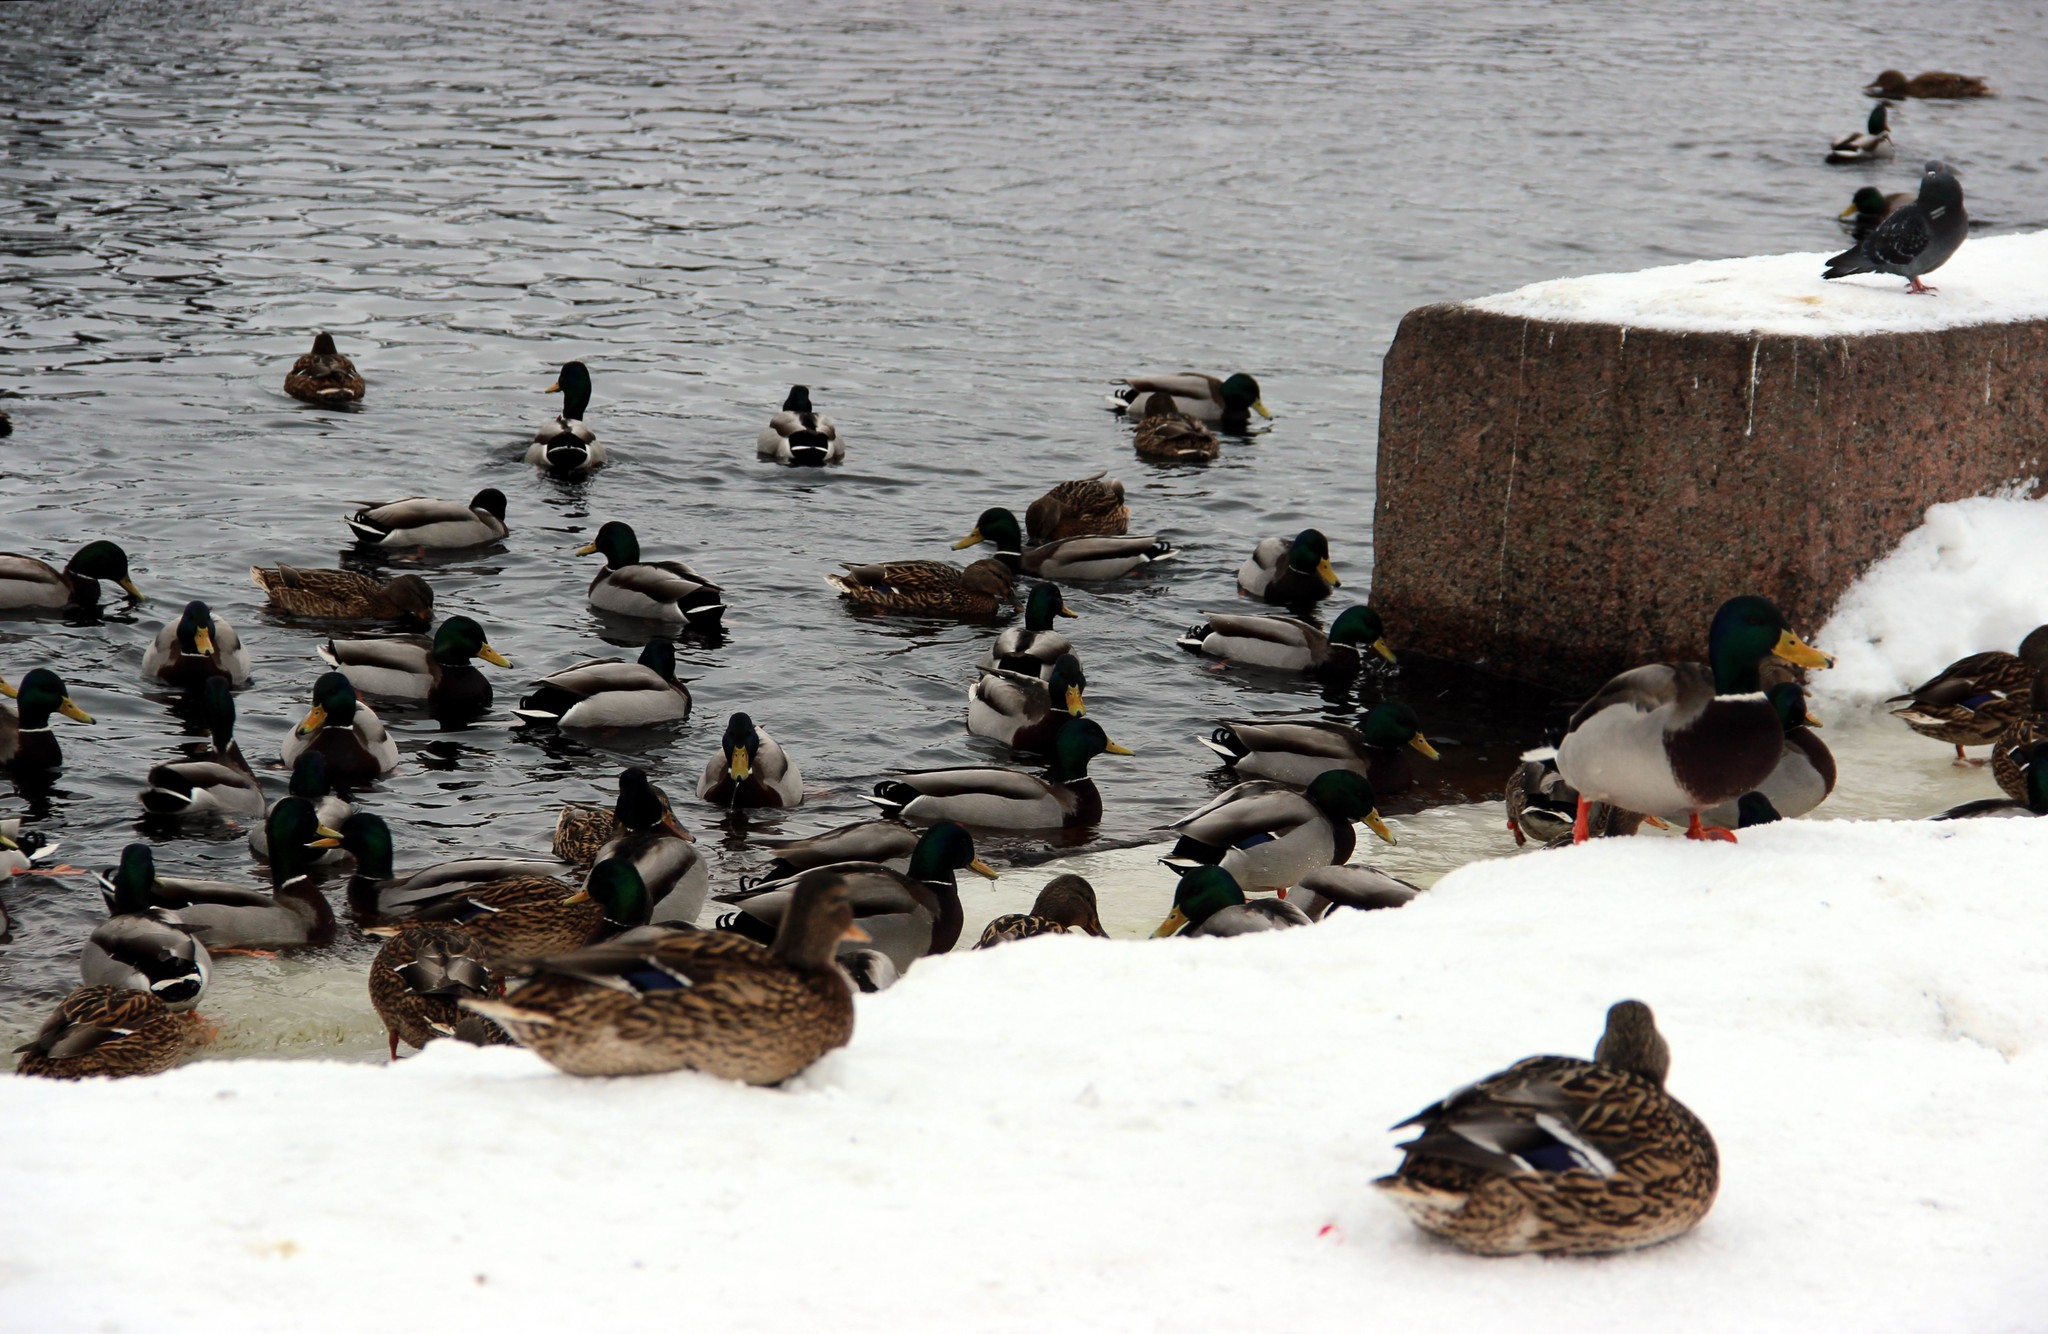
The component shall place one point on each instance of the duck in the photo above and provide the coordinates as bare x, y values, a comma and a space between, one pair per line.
1360, 888
992, 798
1269, 836
1290, 573
377, 891
1542, 807
1065, 905
1290, 644
431, 524
1165, 434
27, 745
28, 584
700, 1000
25, 854
799, 435
324, 377
1024, 712
346, 732
1673, 740
436, 670
1868, 207
216, 782
1085, 507
344, 595
419, 978
1874, 143
1208, 901
750, 769
2030, 764
1973, 700
1915, 239
309, 783
516, 916
1893, 85
1296, 752
2007, 753
927, 588
1227, 403
883, 841
605, 692
1088, 559
664, 590
647, 838
904, 914
1558, 1155
144, 947
104, 1031
1032, 648
565, 446
196, 647
1805, 773
229, 916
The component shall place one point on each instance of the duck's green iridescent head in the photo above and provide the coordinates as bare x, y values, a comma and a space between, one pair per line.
217, 707
1201, 894
1064, 683
943, 849
309, 776
616, 542
1391, 726
640, 805
295, 832
196, 630
1044, 604
573, 384
1343, 794
1865, 203
334, 704
40, 694
659, 655
366, 838
997, 526
799, 399
129, 886
460, 638
104, 560
1746, 630
1879, 122
2034, 760
618, 890
1361, 627
1079, 741
1310, 554
1241, 392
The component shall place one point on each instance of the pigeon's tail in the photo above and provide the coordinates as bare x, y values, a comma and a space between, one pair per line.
1852, 260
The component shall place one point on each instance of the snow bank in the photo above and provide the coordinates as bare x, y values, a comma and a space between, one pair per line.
1989, 281
1122, 1135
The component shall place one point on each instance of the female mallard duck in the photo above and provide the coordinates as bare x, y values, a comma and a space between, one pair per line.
1805, 773
1209, 902
662, 590
231, 916
1359, 888
26, 742
1296, 752
195, 648
605, 692
324, 377
1672, 740
375, 890
927, 588
420, 977
750, 769
1868, 207
1165, 434
29, 584
1084, 507
1023, 712
1269, 836
219, 782
2010, 748
1874, 143
2030, 766
309, 783
1560, 1155
1289, 644
1004, 798
346, 733
1089, 559
427, 523
565, 446
1032, 648
1894, 86
1973, 700
1543, 807
144, 947
436, 670
882, 841
1225, 403
695, 1000
344, 595
647, 838
799, 436
109, 1031
517, 917
905, 914
1066, 904
1290, 574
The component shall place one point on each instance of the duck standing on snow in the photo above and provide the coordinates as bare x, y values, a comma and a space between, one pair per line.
1874, 143
1223, 403
1209, 902
605, 692
1290, 644
1032, 648
1916, 238
1065, 905
26, 742
1269, 836
1805, 773
799, 435
324, 377
27, 584
1296, 752
1073, 558
1165, 434
1084, 507
995, 798
1868, 207
344, 595
431, 524
195, 648
218, 782
347, 734
437, 670
1290, 573
1893, 85
1972, 701
751, 769
565, 446
657, 590
104, 1031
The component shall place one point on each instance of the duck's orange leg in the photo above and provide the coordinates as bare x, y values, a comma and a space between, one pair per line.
1579, 831
1708, 833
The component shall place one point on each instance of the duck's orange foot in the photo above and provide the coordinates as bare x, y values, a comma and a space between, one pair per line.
199, 1030
1515, 828
1580, 832
1708, 833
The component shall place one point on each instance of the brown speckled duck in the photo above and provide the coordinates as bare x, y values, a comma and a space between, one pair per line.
104, 1031
344, 595
420, 977
1085, 507
928, 588
324, 377
1935, 84
1067, 903
1973, 700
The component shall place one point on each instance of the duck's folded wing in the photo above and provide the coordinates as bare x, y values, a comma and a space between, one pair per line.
1313, 738
1242, 796
416, 512
597, 675
1647, 689
977, 781
1188, 384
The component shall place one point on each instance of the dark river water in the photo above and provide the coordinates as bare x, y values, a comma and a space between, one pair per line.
955, 223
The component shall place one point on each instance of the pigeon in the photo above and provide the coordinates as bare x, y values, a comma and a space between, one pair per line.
1917, 238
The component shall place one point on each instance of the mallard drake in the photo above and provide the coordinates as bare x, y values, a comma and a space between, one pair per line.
583, 828
647, 838
1893, 85
29, 584
1874, 143
435, 669
1032, 648
1673, 740
1542, 806
344, 595
109, 1031
324, 377
195, 648
1290, 644
1225, 403
882, 841
662, 590
1805, 773
1066, 904
1360, 888
1088, 559
1085, 507
422, 521
232, 916
346, 732
2008, 751
927, 588
25, 854
144, 947
26, 741
605, 692
904, 914
1023, 712
219, 782
309, 783
1290, 574
420, 977
1209, 902
1296, 752
695, 1000
1973, 700
1556, 1154
1165, 434
1004, 798
750, 769
1868, 207
2030, 765
375, 890
517, 916
565, 446
1269, 836
799, 436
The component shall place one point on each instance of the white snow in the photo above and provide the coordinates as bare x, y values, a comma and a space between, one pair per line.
1990, 280
1144, 1135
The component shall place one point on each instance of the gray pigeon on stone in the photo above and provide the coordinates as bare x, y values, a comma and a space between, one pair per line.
1916, 238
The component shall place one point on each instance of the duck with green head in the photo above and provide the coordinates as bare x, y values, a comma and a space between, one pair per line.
1290, 644
26, 742
228, 916
565, 446
650, 590
1298, 751
1290, 573
1086, 559
430, 523
799, 435
992, 798
1868, 207
1023, 712
145, 947
347, 734
436, 669
1269, 836
1873, 144
216, 783
605, 692
1208, 901
1032, 648
27, 584
750, 769
308, 781
1225, 403
196, 648
660, 850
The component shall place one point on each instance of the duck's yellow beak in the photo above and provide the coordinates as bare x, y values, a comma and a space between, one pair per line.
587, 549
1797, 651
128, 587
1074, 704
1065, 610
323, 837
1259, 406
853, 932
983, 869
314, 721
580, 896
7, 844
1846, 214
493, 657
70, 710
1421, 743
1114, 749
668, 822
1378, 826
968, 540
1812, 721
554, 388
1329, 574
1381, 647
1175, 920
740, 765
7, 690
202, 639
